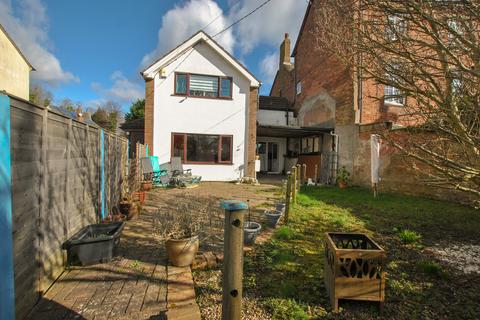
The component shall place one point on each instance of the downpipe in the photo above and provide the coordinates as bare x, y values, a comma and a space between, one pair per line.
333, 178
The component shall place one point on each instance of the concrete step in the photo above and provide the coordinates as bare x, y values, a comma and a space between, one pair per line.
185, 312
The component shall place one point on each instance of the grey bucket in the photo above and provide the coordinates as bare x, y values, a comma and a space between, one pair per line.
280, 206
250, 231
272, 218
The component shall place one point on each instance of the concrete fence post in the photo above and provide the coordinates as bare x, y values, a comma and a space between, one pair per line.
102, 175
233, 259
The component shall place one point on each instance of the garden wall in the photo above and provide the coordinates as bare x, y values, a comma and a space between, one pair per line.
56, 167
397, 172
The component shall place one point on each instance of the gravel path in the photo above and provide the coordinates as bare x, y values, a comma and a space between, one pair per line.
461, 256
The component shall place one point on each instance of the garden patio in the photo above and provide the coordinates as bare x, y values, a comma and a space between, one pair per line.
433, 260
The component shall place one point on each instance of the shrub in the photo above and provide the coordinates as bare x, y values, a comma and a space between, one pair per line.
343, 175
409, 236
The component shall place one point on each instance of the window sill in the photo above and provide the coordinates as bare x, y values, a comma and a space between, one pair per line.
209, 163
197, 97
393, 104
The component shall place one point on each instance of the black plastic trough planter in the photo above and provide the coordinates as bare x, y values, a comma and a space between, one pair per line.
95, 243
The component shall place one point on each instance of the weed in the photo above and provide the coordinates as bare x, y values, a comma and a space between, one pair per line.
431, 268
409, 236
285, 233
286, 309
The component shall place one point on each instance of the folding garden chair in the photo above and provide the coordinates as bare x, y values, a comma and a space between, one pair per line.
158, 172
151, 170
184, 174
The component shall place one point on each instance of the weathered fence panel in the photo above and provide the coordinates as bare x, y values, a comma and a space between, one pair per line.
55, 191
26, 154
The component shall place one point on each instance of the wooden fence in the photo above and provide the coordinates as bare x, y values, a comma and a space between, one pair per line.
57, 165
135, 173
296, 177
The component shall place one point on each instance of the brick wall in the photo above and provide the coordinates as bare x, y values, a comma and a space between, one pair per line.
397, 172
322, 76
149, 96
252, 132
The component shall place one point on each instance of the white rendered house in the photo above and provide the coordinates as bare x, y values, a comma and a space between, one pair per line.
201, 105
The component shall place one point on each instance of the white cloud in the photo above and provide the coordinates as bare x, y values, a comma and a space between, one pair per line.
122, 90
183, 21
28, 26
269, 24
268, 67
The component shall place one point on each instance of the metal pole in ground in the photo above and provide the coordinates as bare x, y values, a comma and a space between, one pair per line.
288, 194
233, 259
294, 184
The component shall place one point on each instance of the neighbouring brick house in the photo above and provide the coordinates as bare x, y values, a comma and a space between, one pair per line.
134, 130
201, 105
325, 94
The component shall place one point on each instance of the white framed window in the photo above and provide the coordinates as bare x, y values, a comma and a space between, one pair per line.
298, 88
396, 27
393, 95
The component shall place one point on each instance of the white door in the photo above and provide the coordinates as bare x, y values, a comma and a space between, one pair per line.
272, 155
262, 152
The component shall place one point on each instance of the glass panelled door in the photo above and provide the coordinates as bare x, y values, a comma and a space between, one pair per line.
272, 151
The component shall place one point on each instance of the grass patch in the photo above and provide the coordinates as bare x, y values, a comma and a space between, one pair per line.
409, 236
286, 309
285, 233
285, 275
431, 268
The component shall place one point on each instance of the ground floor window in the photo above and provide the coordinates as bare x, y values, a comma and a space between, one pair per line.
202, 148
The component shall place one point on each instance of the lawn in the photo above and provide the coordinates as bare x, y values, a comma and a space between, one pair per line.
433, 269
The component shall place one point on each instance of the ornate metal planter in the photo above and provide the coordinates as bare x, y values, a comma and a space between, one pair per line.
354, 268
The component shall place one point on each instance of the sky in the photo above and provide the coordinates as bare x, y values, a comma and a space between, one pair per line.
92, 51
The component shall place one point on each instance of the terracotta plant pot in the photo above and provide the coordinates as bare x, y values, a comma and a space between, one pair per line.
250, 232
181, 252
125, 207
138, 196
147, 185
133, 212
119, 217
342, 185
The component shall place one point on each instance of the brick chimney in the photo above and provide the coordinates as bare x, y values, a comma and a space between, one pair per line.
285, 53
80, 115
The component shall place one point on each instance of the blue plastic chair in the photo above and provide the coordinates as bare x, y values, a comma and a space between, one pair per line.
157, 172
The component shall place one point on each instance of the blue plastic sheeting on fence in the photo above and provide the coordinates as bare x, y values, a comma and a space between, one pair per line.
102, 174
7, 295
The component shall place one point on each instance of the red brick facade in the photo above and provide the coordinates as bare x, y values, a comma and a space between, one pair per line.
252, 132
149, 96
329, 98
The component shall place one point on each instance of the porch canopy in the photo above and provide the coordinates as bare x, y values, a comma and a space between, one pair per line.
289, 131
